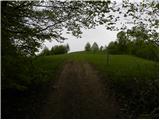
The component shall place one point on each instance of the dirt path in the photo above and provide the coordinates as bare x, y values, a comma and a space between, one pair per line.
79, 93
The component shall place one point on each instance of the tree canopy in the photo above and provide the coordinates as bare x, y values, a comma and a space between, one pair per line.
27, 24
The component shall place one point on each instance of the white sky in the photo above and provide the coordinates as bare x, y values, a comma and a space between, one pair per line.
100, 35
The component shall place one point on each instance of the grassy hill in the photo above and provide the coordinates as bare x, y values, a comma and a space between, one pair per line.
118, 66
132, 80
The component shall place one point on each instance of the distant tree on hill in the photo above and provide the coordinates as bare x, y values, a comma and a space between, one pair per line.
113, 48
95, 47
67, 47
61, 49
101, 48
88, 47
122, 41
45, 51
55, 50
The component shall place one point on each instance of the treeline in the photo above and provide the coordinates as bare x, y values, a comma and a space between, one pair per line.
135, 41
94, 47
55, 50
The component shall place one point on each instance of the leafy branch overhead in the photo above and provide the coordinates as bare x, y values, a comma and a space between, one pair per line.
27, 24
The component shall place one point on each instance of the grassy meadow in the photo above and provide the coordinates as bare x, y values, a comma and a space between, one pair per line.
134, 81
121, 67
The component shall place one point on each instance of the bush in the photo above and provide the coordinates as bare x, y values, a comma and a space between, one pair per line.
16, 72
148, 51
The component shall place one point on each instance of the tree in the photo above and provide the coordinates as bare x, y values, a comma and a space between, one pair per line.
88, 47
136, 41
113, 48
101, 48
133, 11
15, 31
95, 47
67, 48
122, 41
45, 51
144, 44
55, 50
60, 49
26, 24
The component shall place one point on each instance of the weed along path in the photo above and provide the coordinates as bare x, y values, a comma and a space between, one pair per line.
79, 93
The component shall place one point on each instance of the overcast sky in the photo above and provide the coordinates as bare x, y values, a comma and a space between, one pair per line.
99, 35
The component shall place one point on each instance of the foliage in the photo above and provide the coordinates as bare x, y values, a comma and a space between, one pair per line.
88, 47
67, 48
14, 27
26, 24
135, 41
101, 48
134, 11
19, 73
122, 41
45, 51
59, 49
113, 48
95, 47
24, 97
55, 50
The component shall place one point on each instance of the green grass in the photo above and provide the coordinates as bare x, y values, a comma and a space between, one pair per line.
133, 80
120, 67
49, 63
48, 67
